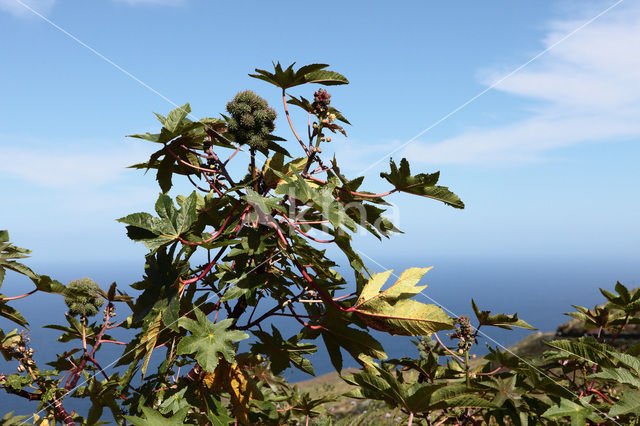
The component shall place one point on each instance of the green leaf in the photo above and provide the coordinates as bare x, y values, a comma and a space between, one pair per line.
175, 117
217, 414
392, 310
208, 340
565, 408
48, 285
336, 333
321, 198
187, 214
451, 396
420, 184
628, 403
265, 204
11, 313
154, 418
314, 73
619, 375
282, 353
328, 78
165, 172
8, 254
499, 320
156, 232
585, 348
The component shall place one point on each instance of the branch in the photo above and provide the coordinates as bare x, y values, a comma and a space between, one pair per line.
286, 111
624, 324
292, 223
214, 236
297, 317
446, 348
22, 296
206, 270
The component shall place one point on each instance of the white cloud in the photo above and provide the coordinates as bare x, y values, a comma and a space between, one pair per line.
67, 167
586, 89
21, 7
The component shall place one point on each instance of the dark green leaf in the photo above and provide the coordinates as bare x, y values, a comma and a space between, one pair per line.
208, 341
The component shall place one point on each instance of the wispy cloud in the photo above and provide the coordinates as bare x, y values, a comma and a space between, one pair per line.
17, 8
67, 167
585, 89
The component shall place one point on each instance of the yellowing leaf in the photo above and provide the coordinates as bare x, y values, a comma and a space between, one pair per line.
232, 378
393, 311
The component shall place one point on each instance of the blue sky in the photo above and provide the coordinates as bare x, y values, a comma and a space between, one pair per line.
546, 161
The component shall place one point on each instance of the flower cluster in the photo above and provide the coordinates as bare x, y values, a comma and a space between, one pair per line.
17, 346
425, 346
464, 334
321, 101
252, 120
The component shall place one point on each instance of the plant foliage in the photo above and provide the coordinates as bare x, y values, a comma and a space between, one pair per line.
243, 250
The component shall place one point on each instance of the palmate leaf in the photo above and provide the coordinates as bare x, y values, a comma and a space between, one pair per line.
499, 320
586, 349
625, 300
8, 255
314, 73
209, 341
156, 232
321, 198
420, 184
154, 418
629, 403
11, 313
578, 413
619, 375
337, 334
282, 353
435, 397
383, 385
238, 383
393, 311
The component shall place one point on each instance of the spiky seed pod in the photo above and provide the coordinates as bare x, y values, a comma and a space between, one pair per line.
251, 120
88, 302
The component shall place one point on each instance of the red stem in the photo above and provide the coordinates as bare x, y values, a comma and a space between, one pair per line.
214, 236
304, 323
206, 270
215, 319
232, 155
186, 163
357, 194
78, 370
194, 152
626, 318
446, 348
22, 296
360, 194
489, 373
304, 233
114, 342
596, 391
286, 111
306, 276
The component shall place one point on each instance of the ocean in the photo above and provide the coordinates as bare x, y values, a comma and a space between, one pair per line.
539, 290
